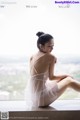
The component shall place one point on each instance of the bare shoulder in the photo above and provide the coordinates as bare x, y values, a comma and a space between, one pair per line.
51, 57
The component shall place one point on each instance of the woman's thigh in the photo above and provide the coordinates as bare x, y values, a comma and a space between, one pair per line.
64, 84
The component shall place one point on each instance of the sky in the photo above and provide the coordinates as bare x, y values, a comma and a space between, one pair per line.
22, 19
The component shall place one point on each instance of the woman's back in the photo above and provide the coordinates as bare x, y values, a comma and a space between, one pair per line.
39, 63
39, 73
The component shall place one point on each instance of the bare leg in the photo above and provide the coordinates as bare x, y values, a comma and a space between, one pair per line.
62, 86
68, 82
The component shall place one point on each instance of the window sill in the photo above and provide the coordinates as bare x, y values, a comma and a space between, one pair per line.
59, 110
55, 106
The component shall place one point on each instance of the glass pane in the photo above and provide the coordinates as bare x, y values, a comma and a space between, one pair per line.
69, 65
14, 75
18, 28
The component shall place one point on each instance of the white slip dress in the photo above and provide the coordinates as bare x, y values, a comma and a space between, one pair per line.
40, 91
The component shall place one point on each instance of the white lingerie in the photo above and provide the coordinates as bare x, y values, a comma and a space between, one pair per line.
41, 91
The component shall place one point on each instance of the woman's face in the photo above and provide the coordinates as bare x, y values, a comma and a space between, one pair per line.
48, 47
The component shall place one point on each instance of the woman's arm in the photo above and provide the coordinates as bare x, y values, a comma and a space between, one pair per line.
51, 71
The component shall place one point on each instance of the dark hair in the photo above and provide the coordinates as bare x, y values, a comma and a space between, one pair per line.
43, 38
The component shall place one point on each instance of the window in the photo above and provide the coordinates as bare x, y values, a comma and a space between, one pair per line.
19, 22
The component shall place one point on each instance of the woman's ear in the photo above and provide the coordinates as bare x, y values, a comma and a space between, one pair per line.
40, 46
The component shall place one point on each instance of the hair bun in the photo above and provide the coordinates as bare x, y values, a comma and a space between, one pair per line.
39, 34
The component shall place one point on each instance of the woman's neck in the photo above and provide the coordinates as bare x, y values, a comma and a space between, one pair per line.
42, 51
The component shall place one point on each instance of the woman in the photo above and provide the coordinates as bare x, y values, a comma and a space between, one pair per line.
42, 64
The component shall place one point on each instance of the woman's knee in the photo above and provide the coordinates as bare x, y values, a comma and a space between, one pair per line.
69, 80
65, 83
